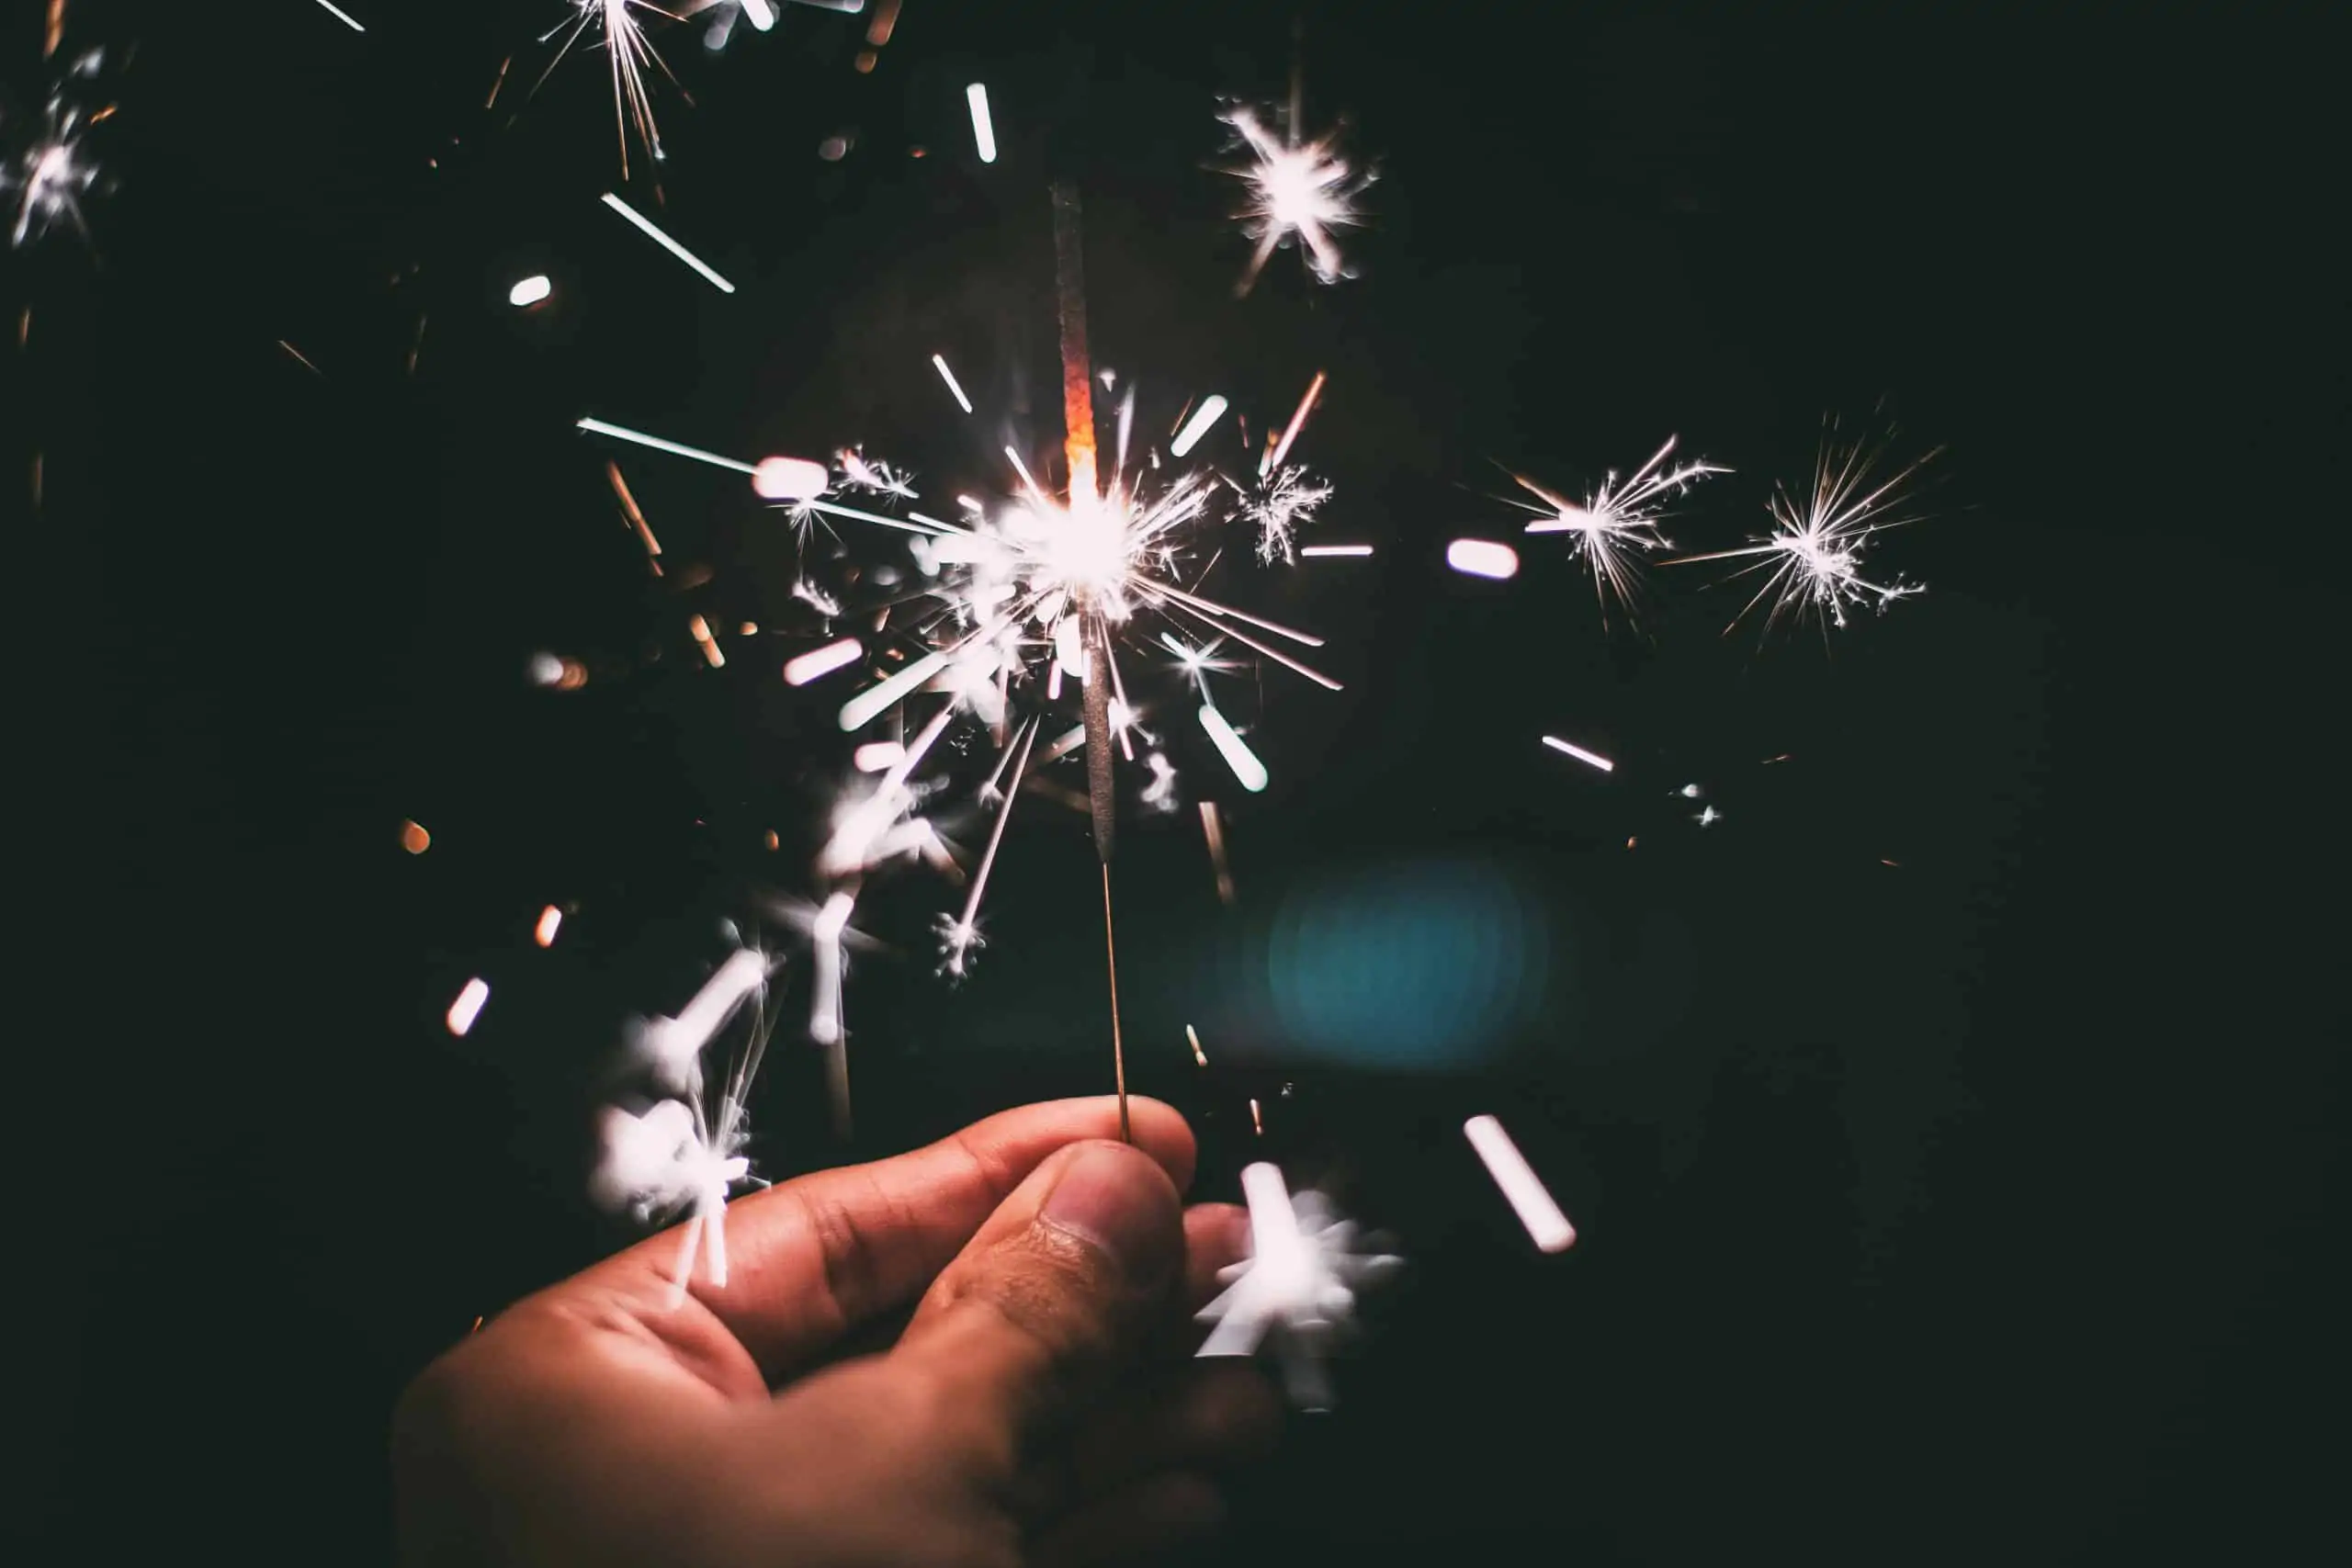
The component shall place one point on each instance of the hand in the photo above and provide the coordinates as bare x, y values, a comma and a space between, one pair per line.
1039, 1407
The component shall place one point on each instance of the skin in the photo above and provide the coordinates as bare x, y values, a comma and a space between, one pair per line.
1039, 1405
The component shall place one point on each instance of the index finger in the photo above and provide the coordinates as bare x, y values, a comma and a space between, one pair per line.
810, 1259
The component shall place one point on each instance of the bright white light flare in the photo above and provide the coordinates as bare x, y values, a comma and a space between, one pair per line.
801, 669
1542, 1216
983, 130
1483, 557
467, 1007
1302, 190
790, 479
529, 290
1297, 1285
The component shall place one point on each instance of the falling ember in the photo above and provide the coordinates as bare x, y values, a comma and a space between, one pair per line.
1212, 409
804, 668
983, 129
1212, 831
709, 644
790, 479
1281, 449
1581, 754
645, 226
530, 291
1256, 1119
415, 839
337, 12
1236, 751
1548, 1227
1331, 550
299, 358
467, 1007
550, 922
956, 387
1199, 1056
1483, 557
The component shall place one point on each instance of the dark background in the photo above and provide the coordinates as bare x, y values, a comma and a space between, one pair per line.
1970, 1205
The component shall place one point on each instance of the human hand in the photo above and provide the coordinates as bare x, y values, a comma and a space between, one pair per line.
1038, 1408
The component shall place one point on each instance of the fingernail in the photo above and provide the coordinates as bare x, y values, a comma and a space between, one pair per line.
1118, 1199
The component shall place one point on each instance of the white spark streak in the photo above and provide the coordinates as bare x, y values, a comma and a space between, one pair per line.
1548, 1227
939, 363
671, 1047
550, 922
1483, 557
1199, 1056
342, 16
467, 1007
860, 709
877, 755
619, 433
1212, 409
1236, 754
667, 244
530, 290
1581, 754
983, 130
1323, 551
1281, 449
804, 668
762, 15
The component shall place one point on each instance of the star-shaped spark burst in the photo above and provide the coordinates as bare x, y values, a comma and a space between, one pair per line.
622, 37
1284, 501
1303, 189
1814, 552
47, 180
1297, 1287
1618, 522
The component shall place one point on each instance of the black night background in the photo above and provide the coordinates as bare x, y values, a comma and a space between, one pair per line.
1971, 1207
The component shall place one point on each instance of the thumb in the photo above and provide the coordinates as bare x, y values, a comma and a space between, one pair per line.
1060, 1288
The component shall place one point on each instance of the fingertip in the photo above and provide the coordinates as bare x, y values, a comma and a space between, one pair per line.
1160, 1130
1122, 1202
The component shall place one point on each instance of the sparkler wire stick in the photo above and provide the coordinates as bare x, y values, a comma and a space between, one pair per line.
1078, 448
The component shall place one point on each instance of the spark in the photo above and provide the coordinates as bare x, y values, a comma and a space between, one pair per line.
939, 363
1281, 449
1483, 557
801, 669
415, 839
299, 358
1812, 556
1298, 1285
1545, 1224
342, 16
1213, 833
873, 475
1278, 509
709, 644
1198, 661
1326, 551
550, 922
1581, 754
1199, 1057
789, 478
620, 432
875, 756
1708, 816
1212, 409
671, 1048
467, 1007
530, 290
983, 130
1617, 521
662, 1160
54, 174
1256, 1117
628, 53
1235, 750
961, 934
1304, 190
647, 226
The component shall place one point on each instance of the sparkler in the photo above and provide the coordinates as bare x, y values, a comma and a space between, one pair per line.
1298, 1285
1812, 556
1302, 190
622, 37
1617, 521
